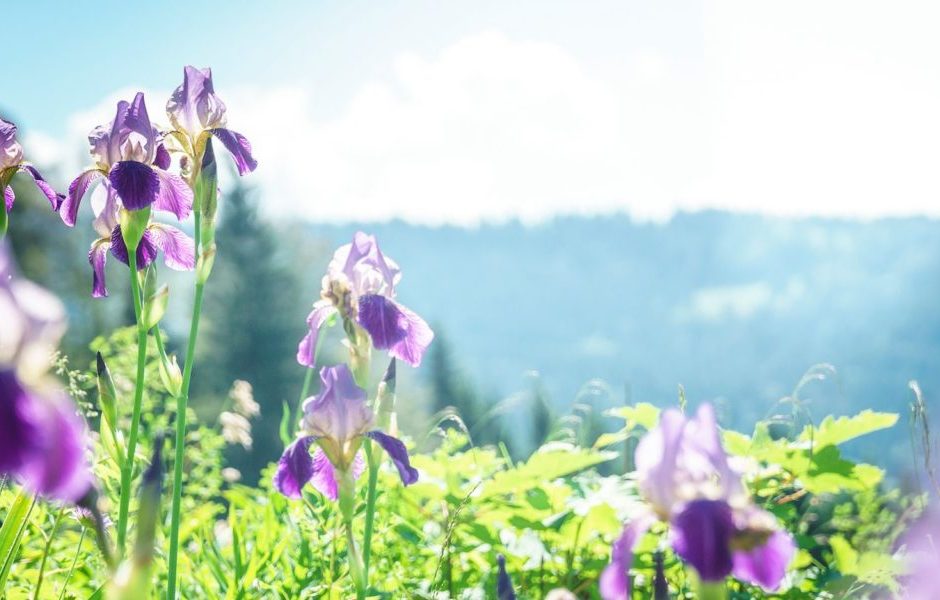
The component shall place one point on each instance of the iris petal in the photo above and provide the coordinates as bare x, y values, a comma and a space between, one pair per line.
98, 258
766, 565
8, 197
68, 210
54, 199
136, 183
179, 250
295, 468
615, 579
702, 535
146, 250
306, 350
239, 147
399, 455
173, 195
395, 328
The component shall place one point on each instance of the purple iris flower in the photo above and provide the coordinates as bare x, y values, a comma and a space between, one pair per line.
360, 287
336, 420
196, 113
12, 162
130, 154
504, 589
179, 251
688, 482
42, 438
921, 552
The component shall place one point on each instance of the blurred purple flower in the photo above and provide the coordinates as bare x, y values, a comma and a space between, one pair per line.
360, 287
179, 251
12, 162
129, 153
42, 438
196, 112
337, 420
920, 548
684, 475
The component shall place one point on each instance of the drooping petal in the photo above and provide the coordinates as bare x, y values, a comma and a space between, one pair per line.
766, 565
179, 250
146, 250
136, 183
8, 198
19, 433
504, 589
324, 476
399, 455
173, 195
239, 147
395, 328
306, 350
60, 470
702, 535
68, 210
295, 468
339, 412
615, 578
54, 198
162, 159
98, 258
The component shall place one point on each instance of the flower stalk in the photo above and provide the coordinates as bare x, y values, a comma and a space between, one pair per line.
128, 463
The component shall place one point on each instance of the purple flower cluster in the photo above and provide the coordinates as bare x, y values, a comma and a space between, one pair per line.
359, 286
685, 477
42, 437
132, 159
337, 420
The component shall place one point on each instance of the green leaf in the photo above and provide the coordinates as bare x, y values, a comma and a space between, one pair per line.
643, 414
833, 431
551, 462
11, 534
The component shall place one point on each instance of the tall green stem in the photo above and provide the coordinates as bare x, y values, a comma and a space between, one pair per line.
127, 467
181, 404
371, 495
45, 553
712, 590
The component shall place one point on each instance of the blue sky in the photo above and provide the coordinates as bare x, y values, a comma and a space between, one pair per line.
461, 112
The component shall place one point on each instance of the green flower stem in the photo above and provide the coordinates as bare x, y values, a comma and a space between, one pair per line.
181, 404
371, 494
347, 507
78, 551
45, 553
127, 467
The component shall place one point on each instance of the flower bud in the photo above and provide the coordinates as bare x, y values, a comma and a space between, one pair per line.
107, 395
155, 299
171, 376
133, 224
385, 400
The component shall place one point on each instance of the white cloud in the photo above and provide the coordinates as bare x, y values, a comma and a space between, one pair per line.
788, 111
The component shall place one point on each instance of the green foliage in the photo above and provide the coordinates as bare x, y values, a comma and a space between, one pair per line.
552, 514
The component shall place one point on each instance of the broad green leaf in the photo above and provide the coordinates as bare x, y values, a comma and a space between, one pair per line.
834, 431
545, 465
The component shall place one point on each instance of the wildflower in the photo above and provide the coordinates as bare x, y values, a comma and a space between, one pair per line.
337, 420
360, 287
42, 438
243, 399
12, 162
236, 429
684, 475
130, 154
197, 113
179, 252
